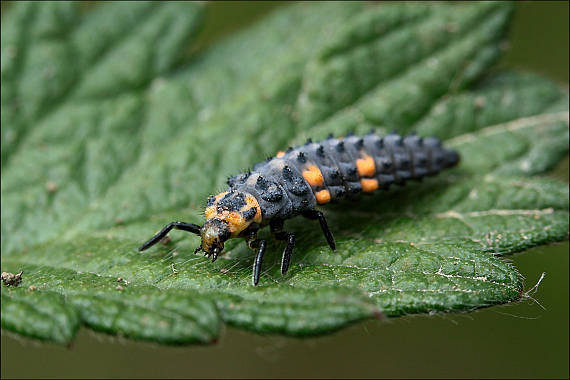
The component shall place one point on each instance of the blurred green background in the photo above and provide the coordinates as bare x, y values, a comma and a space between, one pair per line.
521, 340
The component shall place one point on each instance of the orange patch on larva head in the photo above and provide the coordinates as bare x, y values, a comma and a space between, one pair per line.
323, 196
313, 176
252, 202
365, 166
280, 154
210, 212
368, 184
220, 196
236, 221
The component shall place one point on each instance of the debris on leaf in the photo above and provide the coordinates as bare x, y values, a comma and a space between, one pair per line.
11, 279
51, 187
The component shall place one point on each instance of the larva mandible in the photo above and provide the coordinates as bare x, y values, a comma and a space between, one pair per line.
296, 181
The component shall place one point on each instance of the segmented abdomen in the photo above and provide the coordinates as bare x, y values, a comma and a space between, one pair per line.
337, 168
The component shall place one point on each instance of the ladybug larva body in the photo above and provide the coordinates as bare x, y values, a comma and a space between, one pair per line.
296, 181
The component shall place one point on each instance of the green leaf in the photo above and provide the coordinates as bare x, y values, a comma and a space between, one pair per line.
42, 315
107, 135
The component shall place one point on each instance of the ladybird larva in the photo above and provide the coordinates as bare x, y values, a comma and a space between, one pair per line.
296, 181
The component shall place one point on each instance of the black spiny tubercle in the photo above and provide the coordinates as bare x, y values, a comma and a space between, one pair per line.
296, 181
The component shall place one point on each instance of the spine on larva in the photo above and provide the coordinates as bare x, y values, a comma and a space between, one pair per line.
338, 168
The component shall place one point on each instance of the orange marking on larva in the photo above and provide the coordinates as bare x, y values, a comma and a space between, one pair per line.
210, 212
236, 221
313, 176
220, 196
368, 184
252, 202
280, 154
323, 196
365, 166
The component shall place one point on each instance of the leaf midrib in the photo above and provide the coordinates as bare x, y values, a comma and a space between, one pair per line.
544, 120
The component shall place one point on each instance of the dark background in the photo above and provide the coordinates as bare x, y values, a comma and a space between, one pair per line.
517, 340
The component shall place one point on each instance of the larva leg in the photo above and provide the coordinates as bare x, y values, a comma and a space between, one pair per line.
189, 227
260, 245
314, 214
290, 239
276, 228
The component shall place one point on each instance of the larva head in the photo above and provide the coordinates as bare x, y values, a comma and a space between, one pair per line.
227, 215
214, 233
